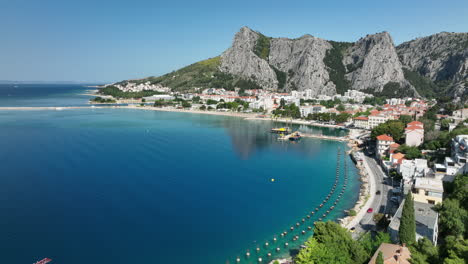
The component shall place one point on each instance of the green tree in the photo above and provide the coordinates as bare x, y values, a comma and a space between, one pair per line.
410, 151
340, 107
143, 100
211, 102
424, 251
186, 104
196, 99
371, 243
332, 243
453, 218
454, 249
407, 230
445, 124
379, 259
282, 103
394, 128
203, 107
405, 119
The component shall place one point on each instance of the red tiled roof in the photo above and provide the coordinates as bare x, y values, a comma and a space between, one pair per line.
361, 118
415, 123
414, 127
384, 138
394, 145
398, 156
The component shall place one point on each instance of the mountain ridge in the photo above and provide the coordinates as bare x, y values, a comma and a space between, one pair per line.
372, 64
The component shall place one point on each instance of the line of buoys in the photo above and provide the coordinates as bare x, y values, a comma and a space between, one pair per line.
312, 213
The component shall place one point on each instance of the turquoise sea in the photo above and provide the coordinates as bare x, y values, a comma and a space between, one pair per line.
131, 186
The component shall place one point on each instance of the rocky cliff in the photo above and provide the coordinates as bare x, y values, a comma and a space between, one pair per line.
428, 66
442, 58
326, 67
373, 63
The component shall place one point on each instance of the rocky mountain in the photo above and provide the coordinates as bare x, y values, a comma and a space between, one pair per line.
442, 58
425, 66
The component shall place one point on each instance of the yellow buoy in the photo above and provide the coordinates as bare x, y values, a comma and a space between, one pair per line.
272, 180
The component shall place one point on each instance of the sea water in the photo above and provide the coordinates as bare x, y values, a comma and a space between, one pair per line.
137, 186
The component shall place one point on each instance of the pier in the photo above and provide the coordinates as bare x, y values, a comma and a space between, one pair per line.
305, 135
325, 137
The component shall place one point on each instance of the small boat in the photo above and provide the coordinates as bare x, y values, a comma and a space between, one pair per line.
43, 261
295, 137
281, 130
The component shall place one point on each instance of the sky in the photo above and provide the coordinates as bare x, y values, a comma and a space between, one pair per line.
98, 41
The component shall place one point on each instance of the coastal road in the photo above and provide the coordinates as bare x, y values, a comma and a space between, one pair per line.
378, 202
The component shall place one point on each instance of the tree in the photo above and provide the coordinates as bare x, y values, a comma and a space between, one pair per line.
445, 124
410, 152
379, 259
371, 243
143, 100
340, 107
405, 119
424, 252
453, 217
394, 128
407, 230
282, 103
196, 99
203, 107
186, 104
211, 102
332, 243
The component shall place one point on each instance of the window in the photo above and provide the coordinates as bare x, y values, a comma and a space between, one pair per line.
431, 201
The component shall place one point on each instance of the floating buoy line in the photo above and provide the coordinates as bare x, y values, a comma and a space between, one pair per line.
277, 245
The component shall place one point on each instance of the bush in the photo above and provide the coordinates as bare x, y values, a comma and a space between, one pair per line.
334, 62
352, 212
262, 47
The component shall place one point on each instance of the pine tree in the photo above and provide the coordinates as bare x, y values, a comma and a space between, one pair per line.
379, 259
407, 230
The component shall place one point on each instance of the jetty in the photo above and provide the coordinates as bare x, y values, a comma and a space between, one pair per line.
325, 137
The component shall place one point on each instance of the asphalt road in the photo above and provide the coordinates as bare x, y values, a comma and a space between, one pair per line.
381, 203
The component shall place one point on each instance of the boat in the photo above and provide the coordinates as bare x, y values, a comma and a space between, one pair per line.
43, 261
281, 130
295, 136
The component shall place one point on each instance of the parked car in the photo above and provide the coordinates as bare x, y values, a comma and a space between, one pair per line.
370, 210
394, 199
352, 230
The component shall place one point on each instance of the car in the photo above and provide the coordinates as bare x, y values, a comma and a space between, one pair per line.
352, 229
394, 199
370, 210
377, 192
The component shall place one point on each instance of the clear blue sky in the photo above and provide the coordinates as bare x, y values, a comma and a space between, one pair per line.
102, 40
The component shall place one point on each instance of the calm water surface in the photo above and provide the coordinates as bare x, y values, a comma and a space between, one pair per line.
129, 186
